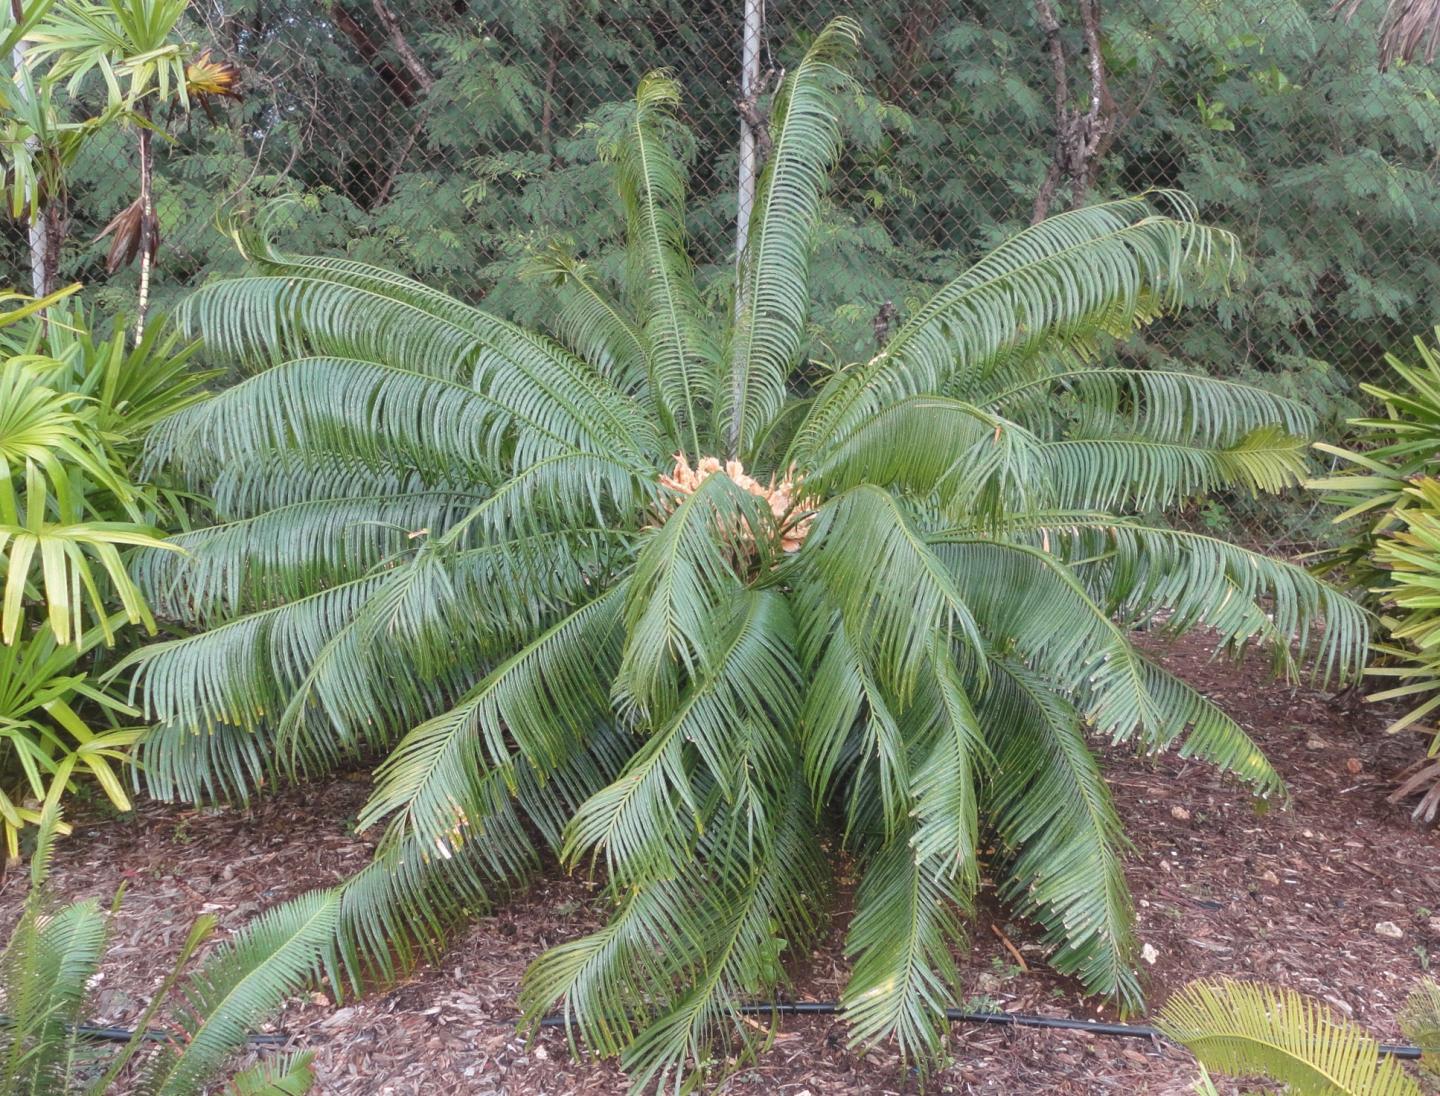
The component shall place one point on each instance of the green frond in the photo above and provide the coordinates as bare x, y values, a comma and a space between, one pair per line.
646, 822
223, 570
47, 966
893, 592
333, 308
222, 763
1028, 602
282, 1075
1158, 405
1179, 580
926, 444
1119, 473
900, 942
591, 324
773, 289
1247, 1029
1103, 268
651, 183
1061, 841
684, 579
1420, 1021
242, 981
252, 483
536, 704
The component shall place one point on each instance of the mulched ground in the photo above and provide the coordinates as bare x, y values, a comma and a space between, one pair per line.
1291, 895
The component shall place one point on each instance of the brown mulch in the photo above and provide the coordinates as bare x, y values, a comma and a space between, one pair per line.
1292, 896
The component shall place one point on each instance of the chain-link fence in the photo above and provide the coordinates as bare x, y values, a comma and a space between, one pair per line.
448, 138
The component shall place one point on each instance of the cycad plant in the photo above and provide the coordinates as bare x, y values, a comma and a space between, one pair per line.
193, 1025
1251, 1029
697, 613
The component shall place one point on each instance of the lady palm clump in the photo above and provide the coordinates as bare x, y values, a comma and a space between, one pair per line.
643, 595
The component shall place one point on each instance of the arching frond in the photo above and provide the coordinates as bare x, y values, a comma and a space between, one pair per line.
243, 980
591, 324
1105, 267
1154, 404
1026, 601
893, 593
535, 705
227, 569
1061, 840
651, 183
648, 819
334, 308
1246, 1029
900, 941
1178, 579
772, 296
1119, 473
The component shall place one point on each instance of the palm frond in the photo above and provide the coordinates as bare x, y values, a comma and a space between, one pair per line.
1119, 473
651, 183
1104, 268
1243, 1028
283, 1075
591, 324
1061, 840
773, 290
243, 980
901, 939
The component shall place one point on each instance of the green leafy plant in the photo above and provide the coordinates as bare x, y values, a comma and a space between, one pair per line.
73, 408
1390, 488
1249, 1029
695, 609
53, 953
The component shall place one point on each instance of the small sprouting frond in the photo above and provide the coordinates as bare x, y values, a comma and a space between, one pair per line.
283, 554
1119, 473
282, 1075
591, 324
893, 593
773, 290
243, 980
651, 183
1245, 1029
1061, 840
1154, 404
901, 939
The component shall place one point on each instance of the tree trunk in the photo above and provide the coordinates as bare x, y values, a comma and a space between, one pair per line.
149, 237
42, 260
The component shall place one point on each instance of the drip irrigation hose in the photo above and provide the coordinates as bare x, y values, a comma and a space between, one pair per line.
1006, 1019
786, 1008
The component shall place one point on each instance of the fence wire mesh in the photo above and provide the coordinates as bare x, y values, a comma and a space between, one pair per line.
448, 138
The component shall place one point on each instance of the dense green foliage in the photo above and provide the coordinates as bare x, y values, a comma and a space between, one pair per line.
1390, 492
535, 573
73, 410
203, 1018
1272, 116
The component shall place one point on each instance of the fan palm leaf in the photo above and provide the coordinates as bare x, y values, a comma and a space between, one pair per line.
652, 599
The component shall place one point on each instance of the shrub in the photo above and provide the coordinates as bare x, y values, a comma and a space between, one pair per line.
695, 610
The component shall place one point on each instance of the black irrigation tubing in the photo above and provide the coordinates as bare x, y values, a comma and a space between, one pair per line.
1007, 1019
102, 1034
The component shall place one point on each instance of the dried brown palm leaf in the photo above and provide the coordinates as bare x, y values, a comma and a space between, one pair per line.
1408, 25
1423, 778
